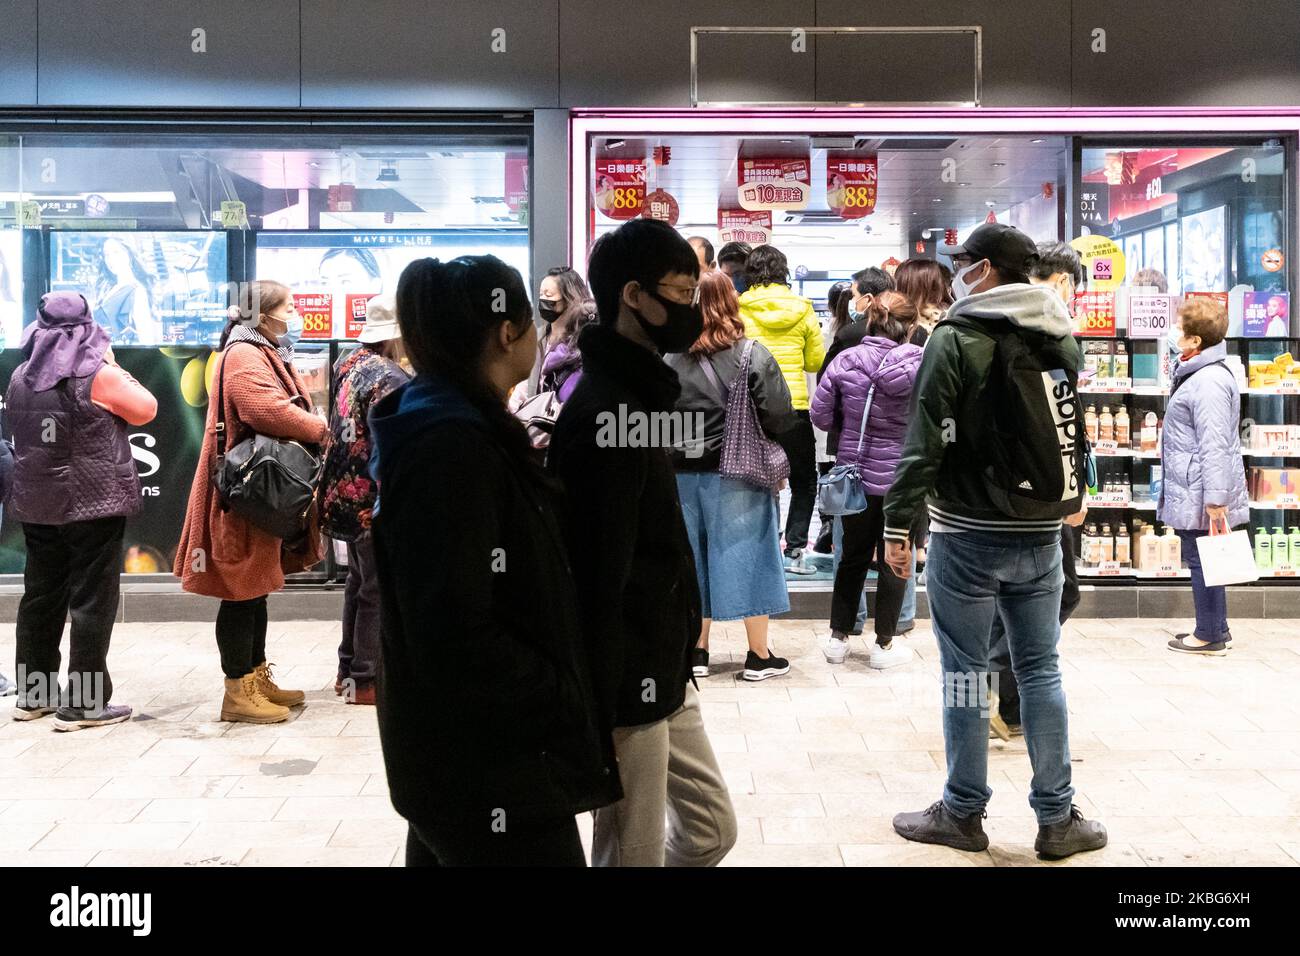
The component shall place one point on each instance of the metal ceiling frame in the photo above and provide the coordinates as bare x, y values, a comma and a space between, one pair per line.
974, 31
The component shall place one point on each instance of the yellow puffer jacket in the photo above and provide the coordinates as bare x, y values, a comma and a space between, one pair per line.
787, 326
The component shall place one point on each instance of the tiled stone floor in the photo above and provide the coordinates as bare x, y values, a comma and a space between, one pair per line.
1188, 761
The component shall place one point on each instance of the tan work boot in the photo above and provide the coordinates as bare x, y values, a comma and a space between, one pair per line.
244, 703
285, 698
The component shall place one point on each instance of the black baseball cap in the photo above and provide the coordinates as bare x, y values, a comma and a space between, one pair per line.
1009, 249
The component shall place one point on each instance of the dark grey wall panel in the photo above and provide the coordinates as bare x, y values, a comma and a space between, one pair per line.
140, 53
17, 52
1026, 47
417, 53
611, 58
1187, 53
548, 208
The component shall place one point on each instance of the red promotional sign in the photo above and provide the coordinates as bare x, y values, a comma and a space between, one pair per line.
516, 186
851, 183
1095, 314
773, 183
661, 205
342, 198
743, 225
317, 311
354, 317
620, 187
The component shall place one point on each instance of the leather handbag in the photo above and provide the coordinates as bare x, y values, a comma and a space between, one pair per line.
269, 482
538, 415
841, 490
747, 453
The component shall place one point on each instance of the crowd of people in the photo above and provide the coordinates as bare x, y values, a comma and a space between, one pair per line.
548, 664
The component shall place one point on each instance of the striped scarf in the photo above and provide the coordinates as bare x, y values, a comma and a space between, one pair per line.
242, 333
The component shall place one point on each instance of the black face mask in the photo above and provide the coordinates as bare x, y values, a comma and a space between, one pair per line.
740, 281
547, 311
684, 325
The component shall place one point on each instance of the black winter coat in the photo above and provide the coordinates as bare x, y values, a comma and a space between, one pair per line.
631, 557
484, 697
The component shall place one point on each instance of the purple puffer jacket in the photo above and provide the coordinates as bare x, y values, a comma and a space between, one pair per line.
1201, 446
561, 370
842, 395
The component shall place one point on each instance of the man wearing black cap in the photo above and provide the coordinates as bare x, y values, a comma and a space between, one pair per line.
988, 553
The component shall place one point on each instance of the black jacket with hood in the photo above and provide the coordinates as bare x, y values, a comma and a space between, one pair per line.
631, 556
949, 415
484, 699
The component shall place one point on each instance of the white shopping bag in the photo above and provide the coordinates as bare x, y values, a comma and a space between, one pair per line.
1226, 556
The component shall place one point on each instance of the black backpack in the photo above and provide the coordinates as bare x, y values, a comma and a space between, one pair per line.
1033, 453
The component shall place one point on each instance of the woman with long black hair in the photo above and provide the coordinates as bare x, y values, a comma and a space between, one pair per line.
486, 713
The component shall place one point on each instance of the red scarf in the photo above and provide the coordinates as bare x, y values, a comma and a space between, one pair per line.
1188, 356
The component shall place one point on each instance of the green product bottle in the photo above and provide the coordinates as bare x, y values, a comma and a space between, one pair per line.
1263, 549
1281, 548
1295, 547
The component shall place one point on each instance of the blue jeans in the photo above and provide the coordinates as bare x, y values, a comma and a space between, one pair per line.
969, 576
906, 616
1211, 603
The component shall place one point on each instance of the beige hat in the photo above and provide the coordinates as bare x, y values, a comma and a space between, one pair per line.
381, 320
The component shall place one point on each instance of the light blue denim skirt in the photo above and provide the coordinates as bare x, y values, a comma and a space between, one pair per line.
736, 539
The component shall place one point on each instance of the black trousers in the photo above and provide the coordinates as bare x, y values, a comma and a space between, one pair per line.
863, 538
241, 635
359, 649
801, 448
1000, 649
72, 570
523, 843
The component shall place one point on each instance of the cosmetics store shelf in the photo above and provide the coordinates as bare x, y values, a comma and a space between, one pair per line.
1274, 506
1271, 453
1125, 453
1291, 392
1123, 505
1155, 390
1276, 573
1181, 574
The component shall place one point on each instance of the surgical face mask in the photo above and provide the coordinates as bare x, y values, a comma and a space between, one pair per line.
292, 333
684, 325
548, 310
960, 287
854, 314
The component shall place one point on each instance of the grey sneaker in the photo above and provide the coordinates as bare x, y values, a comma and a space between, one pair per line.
1072, 835
74, 718
796, 563
936, 825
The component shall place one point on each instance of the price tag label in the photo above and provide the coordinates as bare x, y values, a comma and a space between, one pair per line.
1289, 385
1109, 568
1113, 499
1106, 447
1148, 316
1166, 571
30, 215
1287, 501
1284, 571
234, 214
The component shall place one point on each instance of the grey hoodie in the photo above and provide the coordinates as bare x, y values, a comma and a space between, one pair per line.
1034, 307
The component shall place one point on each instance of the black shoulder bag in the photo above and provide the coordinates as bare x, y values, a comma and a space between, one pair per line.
269, 482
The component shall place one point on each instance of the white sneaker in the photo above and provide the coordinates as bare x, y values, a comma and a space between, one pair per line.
835, 649
796, 563
892, 656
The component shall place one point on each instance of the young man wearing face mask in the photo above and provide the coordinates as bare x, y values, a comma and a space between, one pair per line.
1058, 268
983, 562
867, 284
631, 556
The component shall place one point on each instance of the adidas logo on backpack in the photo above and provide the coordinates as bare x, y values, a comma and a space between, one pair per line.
1026, 485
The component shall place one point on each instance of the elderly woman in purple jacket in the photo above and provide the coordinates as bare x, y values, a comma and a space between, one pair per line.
865, 395
1203, 476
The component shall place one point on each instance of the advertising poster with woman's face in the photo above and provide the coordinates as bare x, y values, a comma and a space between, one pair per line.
11, 288
146, 288
1204, 262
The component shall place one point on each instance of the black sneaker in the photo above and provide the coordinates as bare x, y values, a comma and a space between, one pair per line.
75, 718
761, 668
936, 825
700, 662
29, 711
1072, 835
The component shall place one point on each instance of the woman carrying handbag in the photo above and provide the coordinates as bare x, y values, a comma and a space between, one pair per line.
865, 393
221, 554
735, 400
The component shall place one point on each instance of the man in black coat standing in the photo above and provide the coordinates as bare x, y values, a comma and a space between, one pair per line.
631, 557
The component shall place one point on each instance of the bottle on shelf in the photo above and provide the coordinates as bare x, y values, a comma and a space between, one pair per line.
1150, 432
1107, 544
1157, 481
1263, 549
1091, 546
1121, 360
1106, 425
1123, 547
1294, 547
1122, 437
1171, 549
1281, 547
1150, 549
1139, 527
1090, 423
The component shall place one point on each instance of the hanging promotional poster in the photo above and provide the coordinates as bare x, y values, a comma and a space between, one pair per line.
851, 183
166, 452
1266, 315
743, 225
146, 288
773, 183
620, 187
